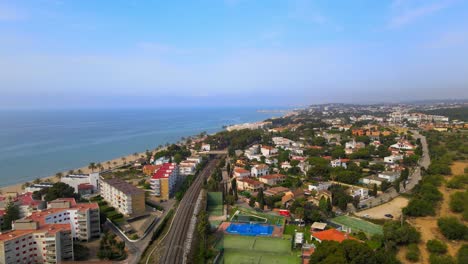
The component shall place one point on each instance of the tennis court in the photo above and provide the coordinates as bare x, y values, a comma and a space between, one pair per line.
248, 249
357, 224
214, 201
245, 229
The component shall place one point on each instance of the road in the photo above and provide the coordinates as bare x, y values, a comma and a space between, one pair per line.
172, 245
136, 249
414, 178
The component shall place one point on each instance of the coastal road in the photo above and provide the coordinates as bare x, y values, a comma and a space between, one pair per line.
414, 178
172, 249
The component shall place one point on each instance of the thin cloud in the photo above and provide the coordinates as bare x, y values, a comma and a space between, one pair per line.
407, 15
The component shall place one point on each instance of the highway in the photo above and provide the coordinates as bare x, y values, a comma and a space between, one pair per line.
171, 250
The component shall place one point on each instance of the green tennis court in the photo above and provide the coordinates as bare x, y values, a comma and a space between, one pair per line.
357, 224
245, 249
214, 201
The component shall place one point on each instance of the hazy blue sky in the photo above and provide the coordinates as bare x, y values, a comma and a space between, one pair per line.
156, 53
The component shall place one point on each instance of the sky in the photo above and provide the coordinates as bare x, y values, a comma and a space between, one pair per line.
65, 53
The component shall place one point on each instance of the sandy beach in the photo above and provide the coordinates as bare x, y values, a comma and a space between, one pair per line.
109, 164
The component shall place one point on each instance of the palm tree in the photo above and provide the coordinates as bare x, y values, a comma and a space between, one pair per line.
71, 172
109, 164
124, 160
80, 171
92, 166
58, 175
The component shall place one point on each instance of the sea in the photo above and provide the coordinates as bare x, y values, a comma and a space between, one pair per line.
40, 143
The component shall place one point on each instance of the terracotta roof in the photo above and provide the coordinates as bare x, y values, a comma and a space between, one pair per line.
241, 170
273, 176
332, 234
250, 181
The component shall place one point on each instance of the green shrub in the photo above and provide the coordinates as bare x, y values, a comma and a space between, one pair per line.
458, 201
436, 246
452, 228
413, 253
441, 259
462, 255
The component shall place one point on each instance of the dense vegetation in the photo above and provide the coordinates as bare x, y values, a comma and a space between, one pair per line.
349, 251
12, 213
58, 190
110, 248
459, 113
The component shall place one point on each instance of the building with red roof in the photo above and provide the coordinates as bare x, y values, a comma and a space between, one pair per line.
331, 235
164, 180
272, 179
249, 184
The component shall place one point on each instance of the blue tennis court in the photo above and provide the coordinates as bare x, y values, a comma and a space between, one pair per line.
250, 229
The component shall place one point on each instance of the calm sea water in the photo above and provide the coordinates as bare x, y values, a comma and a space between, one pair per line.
40, 143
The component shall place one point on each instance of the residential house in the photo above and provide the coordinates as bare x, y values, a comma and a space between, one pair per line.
403, 145
272, 179
259, 170
241, 172
286, 165
339, 163
205, 147
276, 191
249, 184
267, 151
371, 180
393, 158
390, 176
319, 186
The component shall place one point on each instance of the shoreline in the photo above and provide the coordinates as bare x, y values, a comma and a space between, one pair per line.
116, 162
107, 164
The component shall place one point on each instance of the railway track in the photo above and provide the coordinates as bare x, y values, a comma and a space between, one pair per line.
172, 249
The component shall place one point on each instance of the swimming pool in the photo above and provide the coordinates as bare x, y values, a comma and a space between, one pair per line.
250, 229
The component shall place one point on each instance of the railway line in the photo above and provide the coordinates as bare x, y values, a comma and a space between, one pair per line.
171, 250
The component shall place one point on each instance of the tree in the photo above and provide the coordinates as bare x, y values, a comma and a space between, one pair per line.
452, 228
436, 246
178, 158
413, 253
58, 175
11, 214
374, 190
58, 190
234, 188
92, 166
385, 185
349, 251
230, 200
261, 199
396, 233
397, 185
252, 202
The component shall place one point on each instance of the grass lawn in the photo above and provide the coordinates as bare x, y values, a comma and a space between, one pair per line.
357, 224
240, 257
244, 249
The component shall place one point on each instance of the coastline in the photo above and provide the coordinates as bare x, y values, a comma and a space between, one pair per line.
107, 164
18, 188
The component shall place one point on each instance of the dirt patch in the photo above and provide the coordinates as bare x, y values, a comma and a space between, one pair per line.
393, 207
458, 167
428, 225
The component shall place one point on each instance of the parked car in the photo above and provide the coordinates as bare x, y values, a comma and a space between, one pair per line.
389, 216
